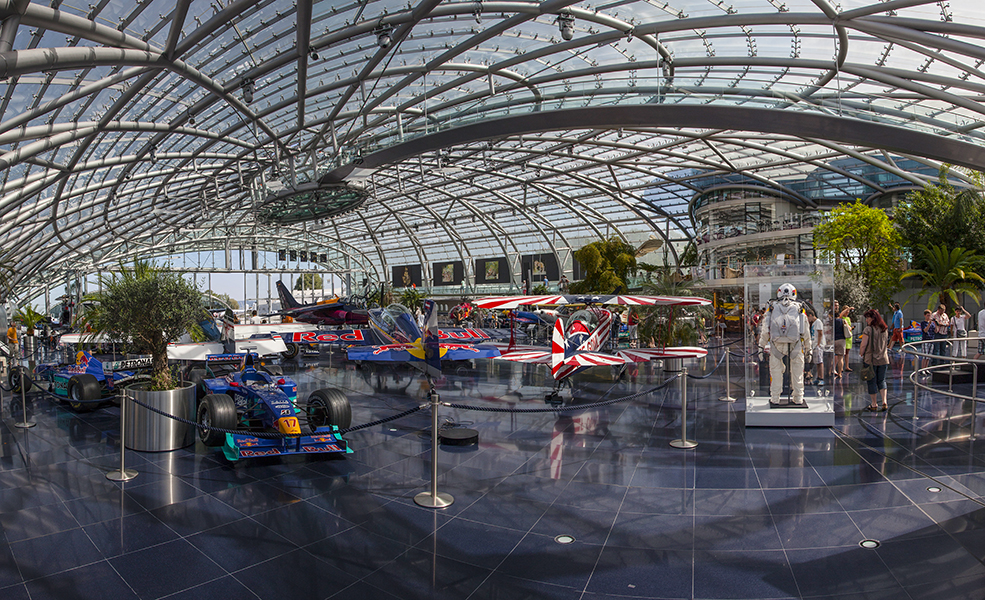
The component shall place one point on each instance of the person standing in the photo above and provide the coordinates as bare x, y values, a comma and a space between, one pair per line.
12, 341
875, 354
817, 344
981, 334
941, 326
896, 334
838, 329
849, 338
926, 333
616, 325
960, 325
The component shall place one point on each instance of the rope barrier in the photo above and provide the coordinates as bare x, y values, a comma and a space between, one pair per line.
497, 409
260, 434
272, 435
712, 372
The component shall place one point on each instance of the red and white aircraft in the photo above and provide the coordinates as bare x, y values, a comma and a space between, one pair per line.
577, 342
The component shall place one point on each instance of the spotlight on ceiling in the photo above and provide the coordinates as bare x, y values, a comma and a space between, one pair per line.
312, 54
191, 118
566, 23
153, 154
248, 88
384, 35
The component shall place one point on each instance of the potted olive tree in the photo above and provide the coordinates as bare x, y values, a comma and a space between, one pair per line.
148, 308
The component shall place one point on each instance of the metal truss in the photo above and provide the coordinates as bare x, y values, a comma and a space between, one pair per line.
481, 129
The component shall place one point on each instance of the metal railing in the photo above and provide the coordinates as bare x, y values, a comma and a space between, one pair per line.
915, 349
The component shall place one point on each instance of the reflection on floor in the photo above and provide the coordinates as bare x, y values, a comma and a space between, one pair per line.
749, 513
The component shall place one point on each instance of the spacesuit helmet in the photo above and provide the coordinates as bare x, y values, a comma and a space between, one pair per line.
786, 291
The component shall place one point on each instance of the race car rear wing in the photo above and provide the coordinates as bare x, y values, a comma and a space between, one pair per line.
128, 364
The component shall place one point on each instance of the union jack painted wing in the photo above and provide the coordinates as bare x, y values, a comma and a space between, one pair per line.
657, 301
648, 354
511, 302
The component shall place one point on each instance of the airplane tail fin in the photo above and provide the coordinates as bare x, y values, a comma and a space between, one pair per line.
557, 346
287, 301
432, 347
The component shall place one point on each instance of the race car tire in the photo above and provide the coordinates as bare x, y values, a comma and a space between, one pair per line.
14, 379
215, 410
83, 392
197, 375
274, 370
292, 351
329, 406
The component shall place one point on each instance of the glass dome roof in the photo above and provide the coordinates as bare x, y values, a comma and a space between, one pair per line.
478, 129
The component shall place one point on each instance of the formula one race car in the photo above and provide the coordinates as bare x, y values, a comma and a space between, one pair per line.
251, 400
89, 381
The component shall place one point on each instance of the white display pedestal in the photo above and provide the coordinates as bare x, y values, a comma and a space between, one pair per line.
820, 412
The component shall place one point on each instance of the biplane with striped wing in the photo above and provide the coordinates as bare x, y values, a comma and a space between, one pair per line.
581, 341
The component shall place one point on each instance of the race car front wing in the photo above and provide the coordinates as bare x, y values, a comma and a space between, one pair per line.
323, 440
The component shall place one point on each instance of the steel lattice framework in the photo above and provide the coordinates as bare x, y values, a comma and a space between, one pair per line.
478, 128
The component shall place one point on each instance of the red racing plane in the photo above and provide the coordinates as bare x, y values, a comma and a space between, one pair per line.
577, 342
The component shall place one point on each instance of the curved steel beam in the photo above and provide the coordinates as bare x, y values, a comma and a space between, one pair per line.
852, 131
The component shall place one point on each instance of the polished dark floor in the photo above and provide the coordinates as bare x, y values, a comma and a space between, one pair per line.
749, 513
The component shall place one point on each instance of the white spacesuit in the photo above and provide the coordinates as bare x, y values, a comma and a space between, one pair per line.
786, 330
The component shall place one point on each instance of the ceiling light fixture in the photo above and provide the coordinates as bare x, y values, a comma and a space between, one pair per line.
248, 88
384, 36
566, 23
312, 53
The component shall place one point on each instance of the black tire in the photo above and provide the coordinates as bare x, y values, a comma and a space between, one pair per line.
14, 379
215, 410
197, 375
292, 351
84, 392
329, 406
274, 370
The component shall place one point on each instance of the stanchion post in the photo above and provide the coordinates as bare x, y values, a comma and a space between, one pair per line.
728, 380
683, 443
433, 499
24, 423
123, 474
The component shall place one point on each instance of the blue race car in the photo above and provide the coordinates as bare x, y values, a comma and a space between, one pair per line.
89, 381
250, 400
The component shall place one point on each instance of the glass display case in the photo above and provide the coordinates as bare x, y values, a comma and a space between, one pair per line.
815, 288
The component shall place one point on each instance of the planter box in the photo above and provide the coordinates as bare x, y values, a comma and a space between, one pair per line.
147, 431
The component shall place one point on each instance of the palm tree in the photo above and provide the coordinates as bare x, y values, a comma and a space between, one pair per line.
948, 274
665, 325
148, 308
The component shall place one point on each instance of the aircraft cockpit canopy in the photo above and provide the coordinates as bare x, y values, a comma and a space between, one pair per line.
397, 321
582, 321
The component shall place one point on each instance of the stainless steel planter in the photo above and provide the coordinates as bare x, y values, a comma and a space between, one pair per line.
148, 431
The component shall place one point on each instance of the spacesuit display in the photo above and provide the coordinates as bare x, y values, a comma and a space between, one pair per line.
785, 332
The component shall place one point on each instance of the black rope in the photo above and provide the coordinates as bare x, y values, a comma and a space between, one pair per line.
712, 372
273, 435
557, 409
260, 434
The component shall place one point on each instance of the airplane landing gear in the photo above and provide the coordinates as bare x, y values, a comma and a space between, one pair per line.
554, 398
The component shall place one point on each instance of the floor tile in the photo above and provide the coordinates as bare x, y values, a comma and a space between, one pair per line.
147, 571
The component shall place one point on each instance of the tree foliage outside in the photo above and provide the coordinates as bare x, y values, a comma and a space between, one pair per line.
308, 281
606, 265
661, 326
226, 298
146, 308
864, 247
948, 273
941, 214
